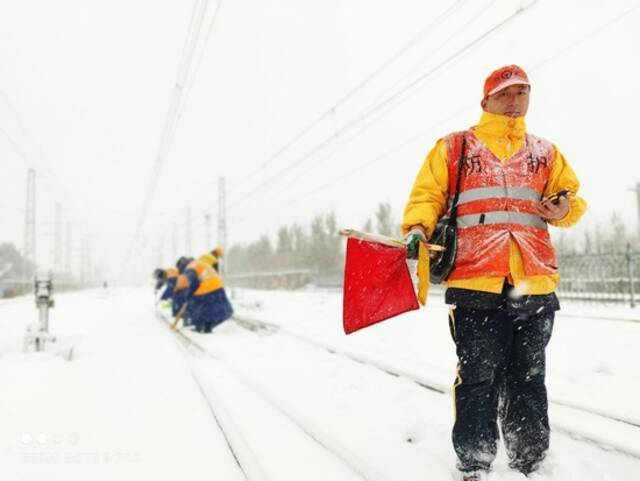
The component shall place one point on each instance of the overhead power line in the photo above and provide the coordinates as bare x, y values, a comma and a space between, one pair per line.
317, 164
185, 77
15, 146
196, 69
25, 132
359, 86
415, 137
355, 121
482, 10
170, 124
592, 33
391, 150
52, 181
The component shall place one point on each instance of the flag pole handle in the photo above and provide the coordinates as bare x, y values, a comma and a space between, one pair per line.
382, 239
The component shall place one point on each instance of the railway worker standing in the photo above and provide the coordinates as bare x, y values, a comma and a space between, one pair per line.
207, 305
505, 272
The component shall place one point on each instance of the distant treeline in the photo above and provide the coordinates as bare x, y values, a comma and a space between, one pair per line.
611, 237
317, 246
17, 274
14, 269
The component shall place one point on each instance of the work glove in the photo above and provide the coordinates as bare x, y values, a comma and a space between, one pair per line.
413, 239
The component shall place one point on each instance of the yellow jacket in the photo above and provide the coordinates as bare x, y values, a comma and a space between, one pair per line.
427, 203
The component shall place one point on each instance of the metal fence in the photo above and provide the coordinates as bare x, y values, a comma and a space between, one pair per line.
14, 287
18, 287
606, 278
601, 277
280, 279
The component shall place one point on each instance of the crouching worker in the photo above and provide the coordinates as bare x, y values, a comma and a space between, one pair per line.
166, 278
207, 305
180, 290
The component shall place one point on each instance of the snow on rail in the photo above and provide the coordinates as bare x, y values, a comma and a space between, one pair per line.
599, 427
238, 447
312, 430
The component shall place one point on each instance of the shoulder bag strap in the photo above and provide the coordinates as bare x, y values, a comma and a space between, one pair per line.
461, 162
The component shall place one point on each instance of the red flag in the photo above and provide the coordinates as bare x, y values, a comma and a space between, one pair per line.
377, 284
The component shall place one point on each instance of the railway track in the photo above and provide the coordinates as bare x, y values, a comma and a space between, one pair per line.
596, 423
352, 467
591, 426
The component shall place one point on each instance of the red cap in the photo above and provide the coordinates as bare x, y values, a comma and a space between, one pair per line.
504, 77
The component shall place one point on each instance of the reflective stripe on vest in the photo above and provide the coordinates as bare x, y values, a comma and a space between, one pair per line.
497, 208
480, 193
501, 217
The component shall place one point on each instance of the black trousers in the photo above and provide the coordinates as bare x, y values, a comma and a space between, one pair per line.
501, 373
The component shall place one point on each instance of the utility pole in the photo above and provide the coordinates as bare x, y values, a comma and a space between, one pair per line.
222, 217
207, 231
29, 251
57, 240
187, 233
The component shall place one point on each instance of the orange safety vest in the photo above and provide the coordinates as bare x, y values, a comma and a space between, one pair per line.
209, 279
496, 203
171, 272
182, 283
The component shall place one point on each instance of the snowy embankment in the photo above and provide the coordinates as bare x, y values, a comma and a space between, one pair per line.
590, 356
589, 361
399, 428
124, 408
133, 404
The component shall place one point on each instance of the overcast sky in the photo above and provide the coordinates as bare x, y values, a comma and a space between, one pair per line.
86, 87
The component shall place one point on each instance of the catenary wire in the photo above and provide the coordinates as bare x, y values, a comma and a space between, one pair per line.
171, 122
301, 174
416, 137
359, 86
373, 109
203, 49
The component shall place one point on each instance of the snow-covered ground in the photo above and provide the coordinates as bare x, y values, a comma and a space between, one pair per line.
299, 402
124, 408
